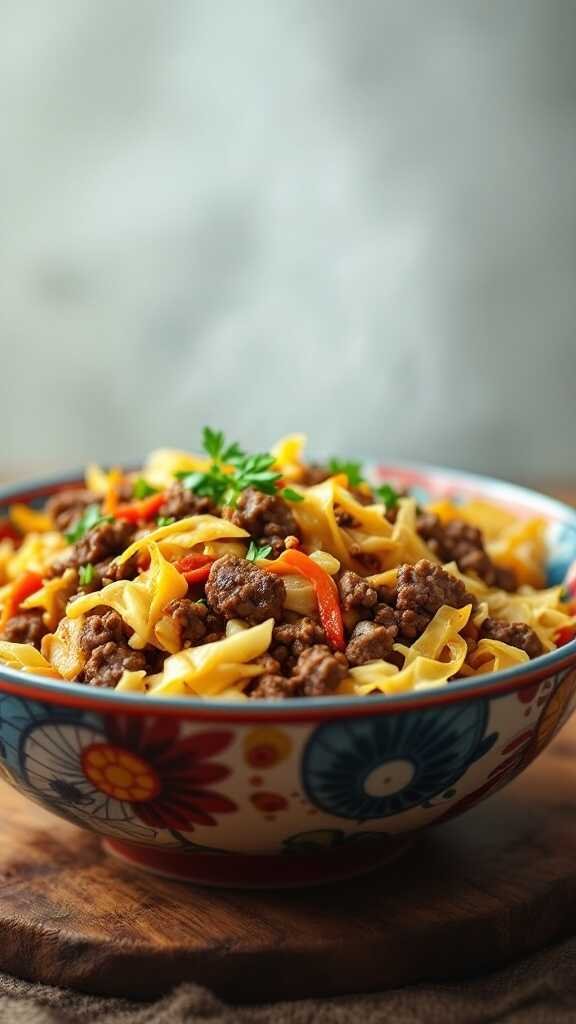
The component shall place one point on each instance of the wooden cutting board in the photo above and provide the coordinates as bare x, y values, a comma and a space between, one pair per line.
471, 895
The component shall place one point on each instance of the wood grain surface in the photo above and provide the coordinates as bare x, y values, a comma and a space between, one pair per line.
470, 895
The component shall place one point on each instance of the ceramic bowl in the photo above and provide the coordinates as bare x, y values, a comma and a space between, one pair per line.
285, 793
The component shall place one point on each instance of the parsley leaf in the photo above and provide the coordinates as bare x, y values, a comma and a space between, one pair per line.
86, 575
142, 489
88, 520
353, 470
254, 552
388, 495
291, 495
165, 520
214, 444
224, 485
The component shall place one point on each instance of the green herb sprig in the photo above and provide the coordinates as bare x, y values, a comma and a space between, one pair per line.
86, 575
254, 552
353, 470
388, 495
224, 487
88, 520
142, 489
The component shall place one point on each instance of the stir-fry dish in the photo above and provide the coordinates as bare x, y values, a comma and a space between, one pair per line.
238, 576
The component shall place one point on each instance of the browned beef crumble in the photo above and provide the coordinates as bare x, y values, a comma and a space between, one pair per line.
370, 642
356, 592
457, 541
101, 626
238, 589
107, 663
66, 507
313, 474
103, 542
290, 639
421, 590
27, 627
366, 559
273, 687
112, 572
194, 621
266, 517
317, 672
103, 637
344, 519
517, 634
181, 503
269, 663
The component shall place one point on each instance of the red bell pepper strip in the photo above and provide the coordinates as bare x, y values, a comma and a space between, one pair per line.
23, 587
195, 567
141, 511
326, 593
565, 635
8, 531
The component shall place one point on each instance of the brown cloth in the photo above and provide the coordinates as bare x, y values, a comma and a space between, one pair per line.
539, 990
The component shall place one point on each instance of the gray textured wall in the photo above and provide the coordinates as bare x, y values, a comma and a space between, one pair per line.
356, 217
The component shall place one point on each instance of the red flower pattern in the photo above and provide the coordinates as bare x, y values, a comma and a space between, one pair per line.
165, 779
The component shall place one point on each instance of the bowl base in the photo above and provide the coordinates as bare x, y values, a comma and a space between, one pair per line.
261, 871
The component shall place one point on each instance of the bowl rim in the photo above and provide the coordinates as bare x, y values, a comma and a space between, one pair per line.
77, 694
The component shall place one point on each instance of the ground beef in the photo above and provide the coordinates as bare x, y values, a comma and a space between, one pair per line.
66, 507
292, 638
273, 687
421, 590
269, 663
238, 589
181, 503
266, 517
103, 637
107, 663
313, 474
318, 671
103, 542
27, 627
194, 621
356, 592
344, 519
370, 642
460, 542
369, 562
101, 627
111, 572
517, 634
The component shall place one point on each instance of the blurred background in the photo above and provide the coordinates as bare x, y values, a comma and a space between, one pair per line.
355, 218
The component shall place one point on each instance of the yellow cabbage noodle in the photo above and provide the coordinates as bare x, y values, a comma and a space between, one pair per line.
53, 579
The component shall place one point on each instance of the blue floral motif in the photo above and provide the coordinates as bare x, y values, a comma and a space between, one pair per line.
562, 545
18, 715
371, 768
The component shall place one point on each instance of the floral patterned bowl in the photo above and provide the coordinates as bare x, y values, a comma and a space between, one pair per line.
287, 793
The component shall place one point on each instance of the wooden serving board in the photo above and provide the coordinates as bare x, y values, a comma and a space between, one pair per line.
494, 885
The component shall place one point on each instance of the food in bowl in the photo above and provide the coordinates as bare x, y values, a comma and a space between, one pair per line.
225, 789
236, 576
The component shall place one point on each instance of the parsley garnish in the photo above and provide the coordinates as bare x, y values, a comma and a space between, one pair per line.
224, 486
353, 470
388, 495
88, 520
165, 520
214, 444
254, 552
142, 489
291, 495
85, 575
